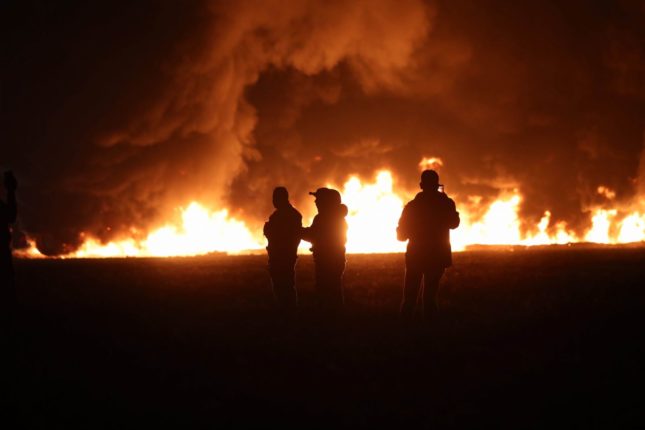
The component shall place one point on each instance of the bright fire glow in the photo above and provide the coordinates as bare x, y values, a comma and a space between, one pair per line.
605, 191
30, 251
201, 232
632, 229
430, 163
599, 232
374, 210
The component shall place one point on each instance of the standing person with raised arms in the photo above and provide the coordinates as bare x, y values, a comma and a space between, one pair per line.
425, 223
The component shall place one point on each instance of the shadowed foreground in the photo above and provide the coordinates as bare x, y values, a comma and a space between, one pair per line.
528, 339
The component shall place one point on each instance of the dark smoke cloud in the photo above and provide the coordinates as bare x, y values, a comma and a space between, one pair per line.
543, 97
115, 114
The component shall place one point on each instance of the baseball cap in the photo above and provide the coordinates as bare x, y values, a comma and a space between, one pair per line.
319, 192
328, 194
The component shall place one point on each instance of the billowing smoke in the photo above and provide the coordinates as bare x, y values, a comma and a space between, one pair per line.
116, 114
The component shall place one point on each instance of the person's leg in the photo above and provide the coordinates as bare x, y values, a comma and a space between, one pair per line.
290, 294
283, 282
411, 286
431, 279
336, 284
329, 287
277, 278
321, 283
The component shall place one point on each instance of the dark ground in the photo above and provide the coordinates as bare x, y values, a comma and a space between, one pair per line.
528, 339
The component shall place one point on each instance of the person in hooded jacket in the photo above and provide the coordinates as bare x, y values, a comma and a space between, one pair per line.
327, 235
425, 223
282, 231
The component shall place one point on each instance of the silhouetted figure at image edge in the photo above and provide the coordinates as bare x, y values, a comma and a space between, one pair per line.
8, 213
283, 233
327, 235
426, 222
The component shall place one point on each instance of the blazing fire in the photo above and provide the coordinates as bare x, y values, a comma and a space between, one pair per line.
374, 210
201, 231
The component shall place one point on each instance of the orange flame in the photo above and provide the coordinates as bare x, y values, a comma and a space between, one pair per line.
374, 210
201, 232
30, 251
430, 163
606, 192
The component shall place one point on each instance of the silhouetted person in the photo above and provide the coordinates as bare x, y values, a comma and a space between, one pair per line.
426, 222
283, 233
8, 213
328, 234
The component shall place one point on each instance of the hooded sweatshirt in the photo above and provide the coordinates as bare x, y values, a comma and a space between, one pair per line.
328, 232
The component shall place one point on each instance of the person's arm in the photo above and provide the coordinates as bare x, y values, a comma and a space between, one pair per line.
297, 226
344, 235
453, 219
309, 233
268, 227
295, 223
10, 185
402, 232
344, 226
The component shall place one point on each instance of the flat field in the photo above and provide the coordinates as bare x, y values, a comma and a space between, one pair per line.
527, 339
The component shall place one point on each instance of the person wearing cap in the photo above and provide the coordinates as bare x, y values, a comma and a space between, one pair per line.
8, 213
425, 223
283, 234
327, 235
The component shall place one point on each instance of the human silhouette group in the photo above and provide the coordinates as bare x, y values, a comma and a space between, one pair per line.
425, 223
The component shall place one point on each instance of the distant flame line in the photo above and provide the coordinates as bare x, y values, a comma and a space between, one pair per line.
374, 209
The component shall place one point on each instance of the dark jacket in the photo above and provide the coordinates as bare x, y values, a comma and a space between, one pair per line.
283, 231
426, 222
8, 215
328, 233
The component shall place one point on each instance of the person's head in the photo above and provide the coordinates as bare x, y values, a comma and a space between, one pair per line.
429, 180
322, 198
280, 197
326, 198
